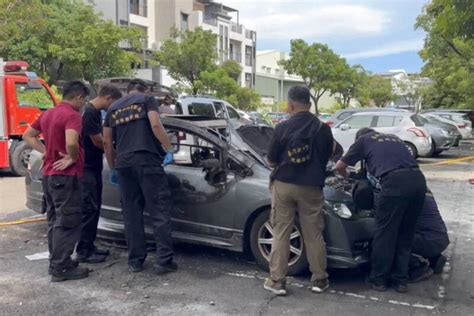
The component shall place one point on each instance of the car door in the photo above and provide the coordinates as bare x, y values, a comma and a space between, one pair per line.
202, 190
346, 135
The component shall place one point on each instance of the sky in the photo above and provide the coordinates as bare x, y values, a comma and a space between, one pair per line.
378, 34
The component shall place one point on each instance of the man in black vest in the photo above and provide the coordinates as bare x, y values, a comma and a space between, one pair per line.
399, 196
135, 144
299, 152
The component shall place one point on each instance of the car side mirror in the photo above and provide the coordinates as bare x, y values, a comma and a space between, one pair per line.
344, 127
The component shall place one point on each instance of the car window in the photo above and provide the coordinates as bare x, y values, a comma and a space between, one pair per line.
201, 109
416, 119
219, 109
233, 113
388, 121
191, 150
34, 95
345, 115
359, 121
447, 116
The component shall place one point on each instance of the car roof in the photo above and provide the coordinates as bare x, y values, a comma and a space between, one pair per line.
385, 113
370, 110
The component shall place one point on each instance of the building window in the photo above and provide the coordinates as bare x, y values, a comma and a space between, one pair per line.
277, 71
248, 56
138, 7
269, 70
248, 80
184, 21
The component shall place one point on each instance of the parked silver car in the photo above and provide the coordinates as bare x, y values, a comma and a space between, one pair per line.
444, 135
222, 199
405, 125
343, 114
460, 120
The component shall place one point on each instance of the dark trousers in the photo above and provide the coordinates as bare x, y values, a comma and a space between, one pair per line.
146, 188
62, 196
91, 203
397, 207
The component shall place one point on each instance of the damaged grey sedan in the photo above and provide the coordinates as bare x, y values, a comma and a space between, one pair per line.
220, 188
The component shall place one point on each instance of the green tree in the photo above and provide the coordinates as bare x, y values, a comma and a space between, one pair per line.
187, 55
232, 68
66, 39
380, 90
351, 83
448, 52
317, 64
218, 83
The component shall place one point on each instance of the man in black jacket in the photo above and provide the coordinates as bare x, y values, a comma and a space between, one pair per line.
399, 197
299, 152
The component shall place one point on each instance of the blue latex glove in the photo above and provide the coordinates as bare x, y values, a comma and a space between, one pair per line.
168, 158
114, 179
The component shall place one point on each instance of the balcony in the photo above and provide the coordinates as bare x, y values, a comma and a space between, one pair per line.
236, 28
250, 35
138, 9
210, 21
236, 57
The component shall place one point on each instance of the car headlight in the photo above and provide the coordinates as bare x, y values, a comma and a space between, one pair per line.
445, 132
341, 210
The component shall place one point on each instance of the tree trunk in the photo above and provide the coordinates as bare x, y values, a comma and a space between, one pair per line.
315, 99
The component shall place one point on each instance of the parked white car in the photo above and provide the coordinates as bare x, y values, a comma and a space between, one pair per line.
460, 120
407, 126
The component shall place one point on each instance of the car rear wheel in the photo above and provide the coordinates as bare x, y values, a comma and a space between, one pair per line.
20, 156
261, 238
412, 150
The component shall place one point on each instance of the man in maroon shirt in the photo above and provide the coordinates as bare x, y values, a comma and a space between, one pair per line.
63, 166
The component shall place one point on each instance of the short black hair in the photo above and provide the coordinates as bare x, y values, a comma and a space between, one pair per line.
137, 84
364, 131
110, 91
74, 88
300, 95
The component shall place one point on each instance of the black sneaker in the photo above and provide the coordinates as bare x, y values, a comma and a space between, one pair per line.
74, 263
99, 251
376, 286
277, 288
400, 288
423, 275
75, 273
167, 268
93, 258
135, 267
319, 286
437, 264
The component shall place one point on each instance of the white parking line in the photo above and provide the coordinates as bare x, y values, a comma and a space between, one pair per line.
355, 295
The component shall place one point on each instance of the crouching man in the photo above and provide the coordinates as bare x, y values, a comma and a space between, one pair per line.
431, 239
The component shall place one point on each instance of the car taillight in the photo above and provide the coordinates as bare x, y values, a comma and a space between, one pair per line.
330, 123
181, 136
461, 125
418, 132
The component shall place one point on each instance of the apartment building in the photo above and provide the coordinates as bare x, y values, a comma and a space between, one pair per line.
157, 17
235, 41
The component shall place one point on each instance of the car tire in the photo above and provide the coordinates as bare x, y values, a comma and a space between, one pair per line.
412, 150
20, 154
260, 231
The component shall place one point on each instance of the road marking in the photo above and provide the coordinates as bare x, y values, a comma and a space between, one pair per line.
449, 161
23, 221
363, 297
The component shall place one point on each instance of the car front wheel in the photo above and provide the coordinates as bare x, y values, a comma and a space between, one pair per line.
261, 238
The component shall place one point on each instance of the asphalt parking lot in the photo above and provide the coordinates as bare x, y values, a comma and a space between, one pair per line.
213, 281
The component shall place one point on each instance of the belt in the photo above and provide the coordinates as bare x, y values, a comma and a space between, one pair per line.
399, 170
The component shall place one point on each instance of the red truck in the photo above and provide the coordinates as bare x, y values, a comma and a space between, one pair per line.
23, 96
